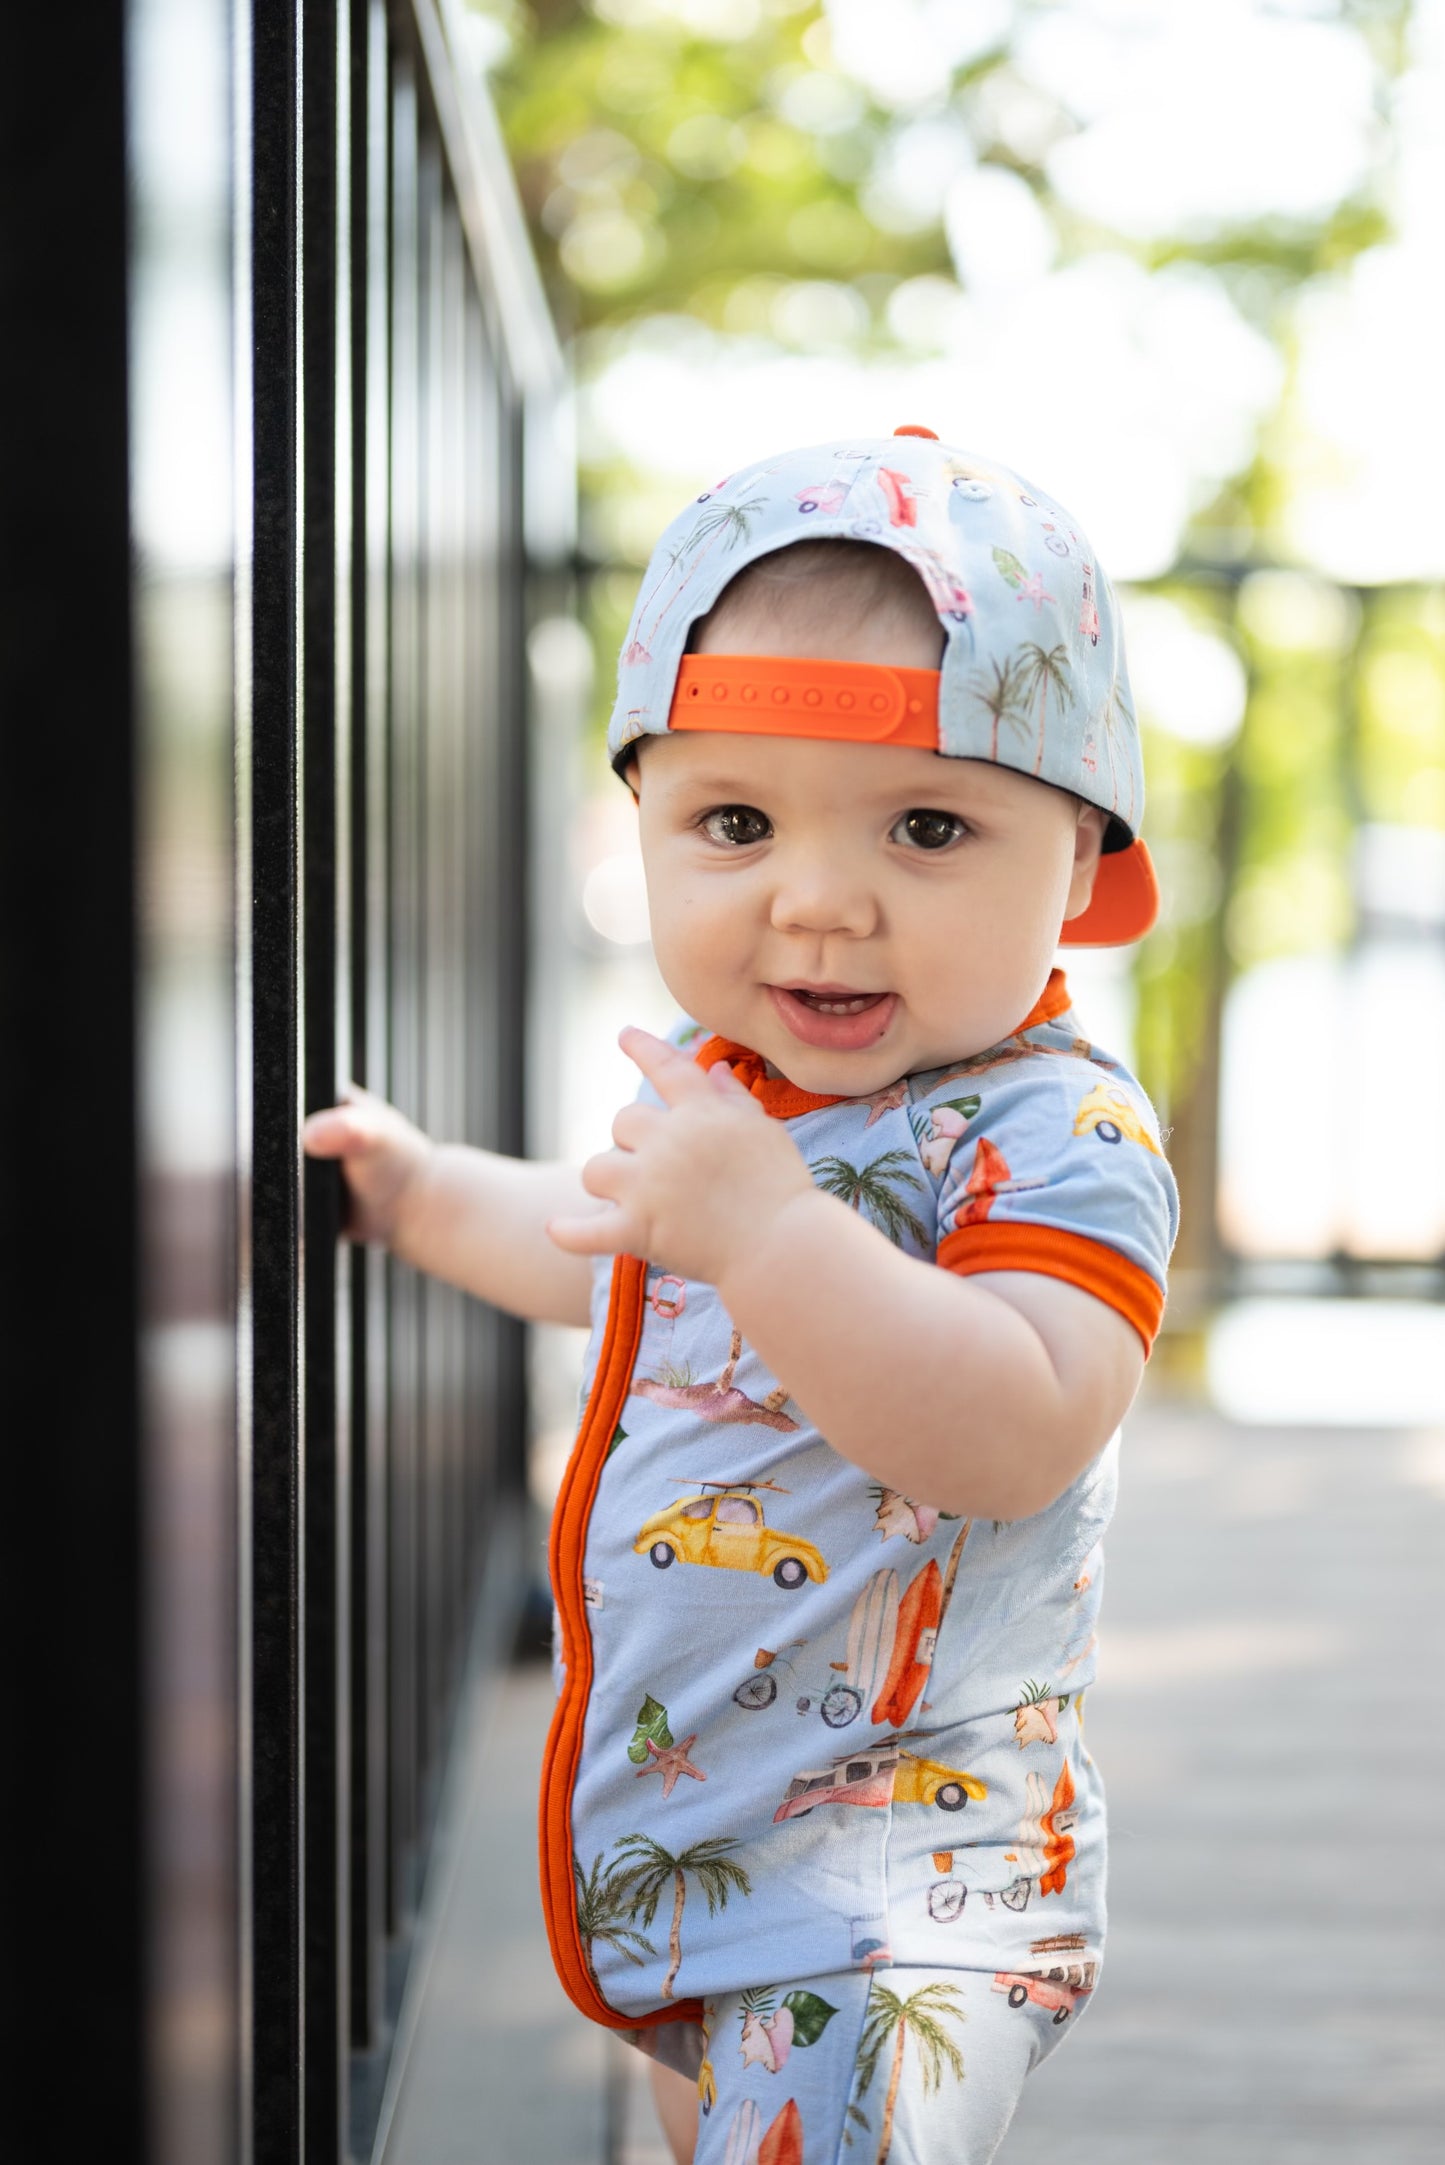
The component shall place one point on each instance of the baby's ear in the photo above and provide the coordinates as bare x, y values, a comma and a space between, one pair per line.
1093, 826
1088, 848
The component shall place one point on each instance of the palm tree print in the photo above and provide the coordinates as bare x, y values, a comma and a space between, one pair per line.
921, 2016
1117, 718
1042, 670
730, 523
636, 651
602, 1906
999, 696
647, 1868
874, 1188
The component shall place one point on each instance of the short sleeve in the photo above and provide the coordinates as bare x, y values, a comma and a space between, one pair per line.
1056, 1167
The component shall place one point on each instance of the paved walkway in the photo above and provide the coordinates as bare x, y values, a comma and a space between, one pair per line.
1273, 1642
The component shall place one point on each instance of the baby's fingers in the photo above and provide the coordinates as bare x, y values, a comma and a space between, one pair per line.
673, 1076
634, 1124
607, 1175
602, 1232
340, 1130
722, 1079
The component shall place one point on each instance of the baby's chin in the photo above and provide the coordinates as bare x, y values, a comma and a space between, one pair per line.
862, 1074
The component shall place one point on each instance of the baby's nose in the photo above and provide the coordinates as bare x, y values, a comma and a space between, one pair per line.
823, 895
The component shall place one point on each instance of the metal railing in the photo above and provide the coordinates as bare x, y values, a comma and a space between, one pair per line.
288, 1472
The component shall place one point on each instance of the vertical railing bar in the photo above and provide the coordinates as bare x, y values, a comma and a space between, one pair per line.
403, 974
354, 88
80, 980
483, 471
430, 376
242, 643
368, 342
278, 1496
453, 809
483, 976
323, 539
512, 794
378, 725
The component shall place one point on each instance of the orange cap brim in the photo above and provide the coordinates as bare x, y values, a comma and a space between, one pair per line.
1124, 905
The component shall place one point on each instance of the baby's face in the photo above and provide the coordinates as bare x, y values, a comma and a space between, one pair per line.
854, 912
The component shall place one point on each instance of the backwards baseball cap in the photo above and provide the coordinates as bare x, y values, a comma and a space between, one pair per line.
1033, 673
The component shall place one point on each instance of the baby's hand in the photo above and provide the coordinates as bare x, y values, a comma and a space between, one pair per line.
692, 1181
381, 1155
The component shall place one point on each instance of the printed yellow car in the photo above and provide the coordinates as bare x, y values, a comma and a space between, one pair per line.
928, 1781
1112, 1115
727, 1529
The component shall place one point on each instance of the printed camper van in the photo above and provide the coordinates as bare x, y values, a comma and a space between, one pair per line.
885, 1775
1066, 1974
863, 1777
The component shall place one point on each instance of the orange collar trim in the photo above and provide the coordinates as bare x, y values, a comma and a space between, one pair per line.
1052, 1002
783, 1100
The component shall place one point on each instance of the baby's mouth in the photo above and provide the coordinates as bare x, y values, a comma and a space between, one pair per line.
834, 1017
834, 1003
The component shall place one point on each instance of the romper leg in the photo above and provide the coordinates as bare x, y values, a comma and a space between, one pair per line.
779, 2067
941, 2063
900, 2067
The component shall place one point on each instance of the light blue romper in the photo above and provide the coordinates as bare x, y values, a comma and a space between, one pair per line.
817, 1785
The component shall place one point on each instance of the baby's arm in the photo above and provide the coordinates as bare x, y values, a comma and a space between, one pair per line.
985, 1395
470, 1216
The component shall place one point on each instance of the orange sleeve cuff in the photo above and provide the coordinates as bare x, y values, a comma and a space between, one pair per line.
1098, 1269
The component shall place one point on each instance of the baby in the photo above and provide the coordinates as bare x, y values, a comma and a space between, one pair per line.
872, 1272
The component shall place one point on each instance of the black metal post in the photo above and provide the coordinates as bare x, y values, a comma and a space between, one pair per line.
75, 1973
278, 1503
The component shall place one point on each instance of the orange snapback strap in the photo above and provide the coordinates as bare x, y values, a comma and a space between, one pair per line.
765, 695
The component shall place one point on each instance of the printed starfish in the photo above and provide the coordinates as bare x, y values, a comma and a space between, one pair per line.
1018, 1047
1032, 589
885, 1101
670, 1761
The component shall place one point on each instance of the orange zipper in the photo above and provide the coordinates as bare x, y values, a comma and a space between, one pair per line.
567, 1553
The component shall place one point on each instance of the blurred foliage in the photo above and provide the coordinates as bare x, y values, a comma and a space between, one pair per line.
707, 159
662, 169
698, 156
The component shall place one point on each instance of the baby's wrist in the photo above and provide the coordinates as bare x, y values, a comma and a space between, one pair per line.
777, 1248
405, 1229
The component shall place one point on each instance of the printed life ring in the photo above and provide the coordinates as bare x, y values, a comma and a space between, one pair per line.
668, 1305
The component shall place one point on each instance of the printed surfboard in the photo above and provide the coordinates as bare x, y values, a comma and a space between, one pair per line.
871, 1630
913, 1643
783, 2143
744, 2135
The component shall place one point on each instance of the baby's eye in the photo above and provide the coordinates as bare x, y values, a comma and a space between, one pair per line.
922, 829
737, 824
